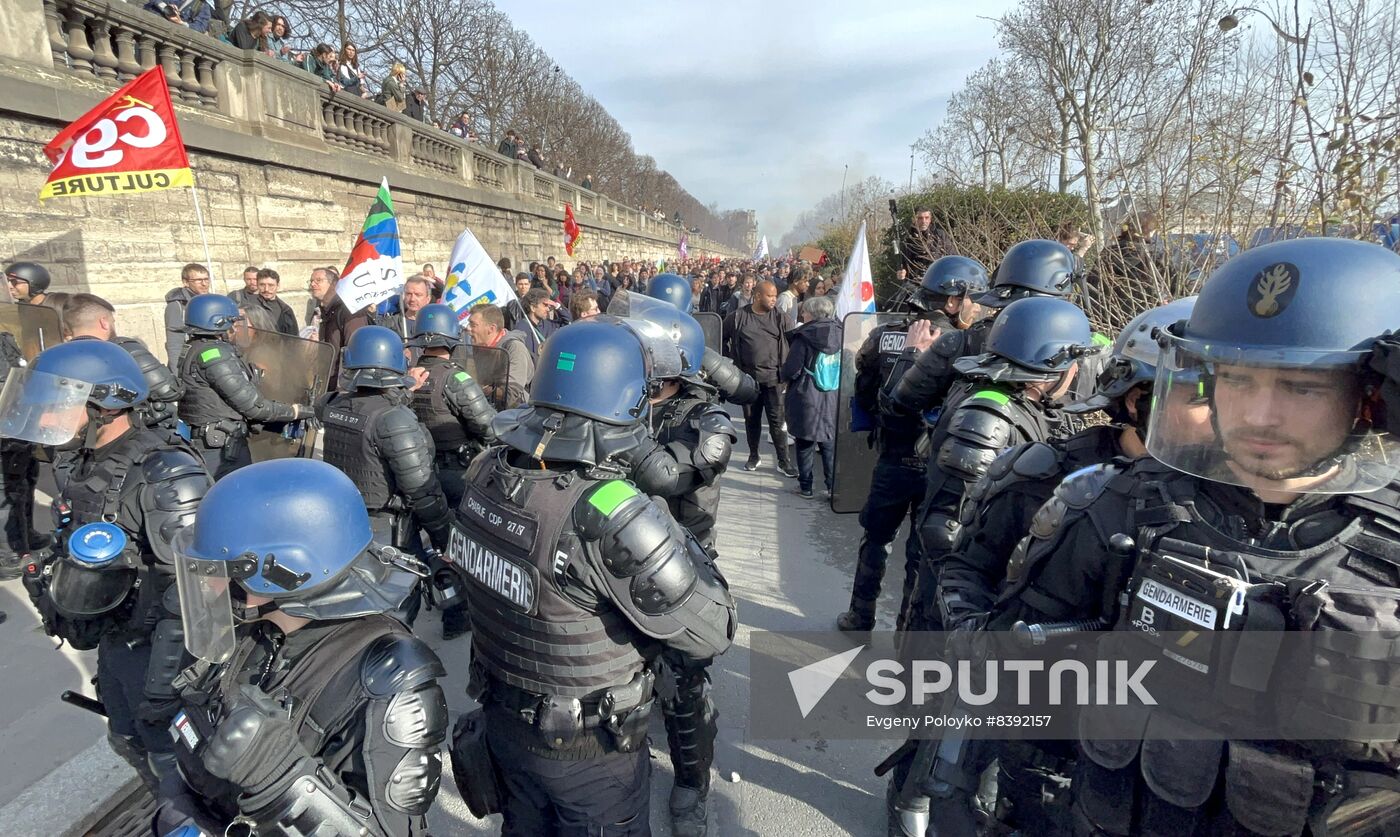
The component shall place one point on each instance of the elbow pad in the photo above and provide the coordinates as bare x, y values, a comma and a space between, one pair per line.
733, 384
312, 804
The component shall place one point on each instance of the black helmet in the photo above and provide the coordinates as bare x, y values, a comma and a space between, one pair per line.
1279, 337
1038, 267
35, 274
1033, 339
950, 276
374, 359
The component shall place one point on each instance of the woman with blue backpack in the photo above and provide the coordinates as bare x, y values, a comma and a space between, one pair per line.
812, 372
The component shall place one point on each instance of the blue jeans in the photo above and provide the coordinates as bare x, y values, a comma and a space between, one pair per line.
805, 451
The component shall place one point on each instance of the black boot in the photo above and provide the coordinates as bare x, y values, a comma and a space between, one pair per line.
691, 726
859, 619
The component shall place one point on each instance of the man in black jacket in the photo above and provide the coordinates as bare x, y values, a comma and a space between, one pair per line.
757, 341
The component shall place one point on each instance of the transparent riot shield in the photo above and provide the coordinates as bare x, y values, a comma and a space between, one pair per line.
34, 328
490, 368
713, 326
855, 453
290, 370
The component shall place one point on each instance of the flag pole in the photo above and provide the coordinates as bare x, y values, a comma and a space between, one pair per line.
203, 236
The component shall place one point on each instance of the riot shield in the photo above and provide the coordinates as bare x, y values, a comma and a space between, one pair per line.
490, 368
290, 370
33, 327
713, 325
855, 455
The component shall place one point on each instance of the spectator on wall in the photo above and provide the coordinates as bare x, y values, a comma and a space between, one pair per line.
193, 14
417, 106
587, 182
251, 32
534, 156
508, 145
277, 45
321, 63
350, 77
393, 93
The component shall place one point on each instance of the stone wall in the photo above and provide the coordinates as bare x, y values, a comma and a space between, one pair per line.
285, 170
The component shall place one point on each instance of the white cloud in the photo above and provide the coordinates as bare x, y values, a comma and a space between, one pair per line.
761, 104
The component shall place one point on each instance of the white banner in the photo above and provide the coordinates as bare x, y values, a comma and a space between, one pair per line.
857, 286
473, 278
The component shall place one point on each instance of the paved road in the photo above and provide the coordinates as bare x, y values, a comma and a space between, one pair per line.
789, 562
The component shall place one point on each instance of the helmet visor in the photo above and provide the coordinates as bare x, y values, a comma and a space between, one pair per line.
1275, 419
83, 591
659, 343
43, 408
206, 606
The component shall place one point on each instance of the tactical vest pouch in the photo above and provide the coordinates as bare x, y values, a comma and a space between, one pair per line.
214, 436
1178, 763
1268, 793
473, 768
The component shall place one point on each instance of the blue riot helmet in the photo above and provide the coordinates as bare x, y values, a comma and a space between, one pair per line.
211, 314
597, 370
1033, 339
949, 276
96, 574
1037, 267
374, 359
67, 388
311, 553
671, 288
1280, 337
1132, 360
437, 326
684, 330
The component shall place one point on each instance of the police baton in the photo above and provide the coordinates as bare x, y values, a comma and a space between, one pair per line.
82, 701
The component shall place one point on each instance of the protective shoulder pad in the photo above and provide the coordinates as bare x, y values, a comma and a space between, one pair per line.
950, 345
215, 351
713, 419
165, 464
1081, 488
398, 420
398, 662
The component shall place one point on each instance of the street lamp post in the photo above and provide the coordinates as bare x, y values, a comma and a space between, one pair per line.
549, 111
1232, 20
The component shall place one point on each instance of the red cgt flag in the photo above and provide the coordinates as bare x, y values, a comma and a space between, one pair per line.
572, 231
129, 143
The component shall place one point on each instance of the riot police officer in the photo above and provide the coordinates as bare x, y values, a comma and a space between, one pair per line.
111, 588
563, 563
698, 435
673, 289
1291, 503
455, 412
1037, 267
311, 709
88, 316
373, 435
446, 399
221, 392
897, 486
1032, 777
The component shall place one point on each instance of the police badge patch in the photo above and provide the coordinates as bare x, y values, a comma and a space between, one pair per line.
1273, 289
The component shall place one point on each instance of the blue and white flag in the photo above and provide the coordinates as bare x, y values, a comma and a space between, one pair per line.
761, 252
473, 278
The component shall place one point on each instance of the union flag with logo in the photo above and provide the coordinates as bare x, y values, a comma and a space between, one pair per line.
129, 143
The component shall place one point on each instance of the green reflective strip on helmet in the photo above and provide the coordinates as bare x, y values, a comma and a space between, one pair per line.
462, 376
1101, 339
566, 361
209, 354
999, 398
610, 495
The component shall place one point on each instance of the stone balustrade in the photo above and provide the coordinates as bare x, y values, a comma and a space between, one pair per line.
109, 42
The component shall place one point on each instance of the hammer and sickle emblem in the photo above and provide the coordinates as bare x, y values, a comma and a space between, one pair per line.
1270, 285
130, 101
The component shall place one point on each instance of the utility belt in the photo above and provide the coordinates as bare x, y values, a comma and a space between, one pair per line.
613, 720
223, 433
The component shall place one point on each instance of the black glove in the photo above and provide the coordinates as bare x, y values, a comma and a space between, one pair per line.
1385, 360
255, 745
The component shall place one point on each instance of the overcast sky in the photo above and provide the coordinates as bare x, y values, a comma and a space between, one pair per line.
760, 104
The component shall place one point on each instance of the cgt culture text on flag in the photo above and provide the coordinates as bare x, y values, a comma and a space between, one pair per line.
375, 269
473, 279
129, 143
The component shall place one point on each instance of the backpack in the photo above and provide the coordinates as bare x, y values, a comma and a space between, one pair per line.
826, 371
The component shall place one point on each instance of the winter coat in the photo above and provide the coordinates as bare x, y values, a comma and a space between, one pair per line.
811, 413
